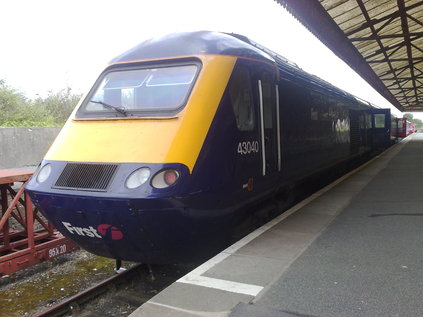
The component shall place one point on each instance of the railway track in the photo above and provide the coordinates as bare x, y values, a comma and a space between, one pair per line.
118, 295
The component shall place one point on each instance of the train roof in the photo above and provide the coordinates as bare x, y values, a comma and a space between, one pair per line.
192, 43
290, 68
217, 43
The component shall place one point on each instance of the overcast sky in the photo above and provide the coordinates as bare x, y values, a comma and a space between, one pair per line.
51, 44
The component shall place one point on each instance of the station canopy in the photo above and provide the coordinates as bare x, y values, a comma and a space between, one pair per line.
382, 40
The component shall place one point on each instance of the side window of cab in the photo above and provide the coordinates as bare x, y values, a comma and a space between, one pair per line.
240, 92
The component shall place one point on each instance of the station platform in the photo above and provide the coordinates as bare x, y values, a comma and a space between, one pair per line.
355, 248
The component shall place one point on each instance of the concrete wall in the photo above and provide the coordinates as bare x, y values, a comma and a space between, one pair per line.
21, 147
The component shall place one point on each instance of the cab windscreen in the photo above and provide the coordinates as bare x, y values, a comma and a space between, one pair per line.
154, 91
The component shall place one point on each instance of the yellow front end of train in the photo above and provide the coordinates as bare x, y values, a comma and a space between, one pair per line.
153, 139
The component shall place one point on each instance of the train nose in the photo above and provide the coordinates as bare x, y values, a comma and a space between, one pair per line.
105, 237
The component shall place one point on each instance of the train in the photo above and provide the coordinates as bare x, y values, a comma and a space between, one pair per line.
184, 135
404, 127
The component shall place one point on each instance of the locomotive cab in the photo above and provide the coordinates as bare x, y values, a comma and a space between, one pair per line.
135, 172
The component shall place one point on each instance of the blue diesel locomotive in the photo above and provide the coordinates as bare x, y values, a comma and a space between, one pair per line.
184, 134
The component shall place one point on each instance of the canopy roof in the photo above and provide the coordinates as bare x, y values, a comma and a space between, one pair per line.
382, 40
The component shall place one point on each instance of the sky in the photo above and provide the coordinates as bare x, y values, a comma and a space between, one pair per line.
48, 45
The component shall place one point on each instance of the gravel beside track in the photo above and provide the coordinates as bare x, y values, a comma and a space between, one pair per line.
27, 291
42, 286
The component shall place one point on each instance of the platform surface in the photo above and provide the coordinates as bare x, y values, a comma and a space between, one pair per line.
355, 248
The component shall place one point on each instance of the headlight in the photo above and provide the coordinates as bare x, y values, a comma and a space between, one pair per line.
165, 178
137, 178
44, 173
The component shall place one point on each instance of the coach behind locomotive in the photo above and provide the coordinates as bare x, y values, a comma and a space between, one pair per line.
179, 135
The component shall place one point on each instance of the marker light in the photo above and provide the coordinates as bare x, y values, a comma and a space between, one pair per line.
44, 173
165, 178
137, 178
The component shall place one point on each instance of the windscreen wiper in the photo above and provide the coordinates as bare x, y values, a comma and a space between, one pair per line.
118, 109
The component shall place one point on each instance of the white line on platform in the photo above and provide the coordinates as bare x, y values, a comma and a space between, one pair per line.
195, 276
224, 285
188, 312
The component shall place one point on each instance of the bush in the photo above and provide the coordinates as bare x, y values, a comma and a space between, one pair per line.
17, 111
58, 105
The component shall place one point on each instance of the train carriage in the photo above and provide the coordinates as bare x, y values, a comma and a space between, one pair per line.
405, 127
